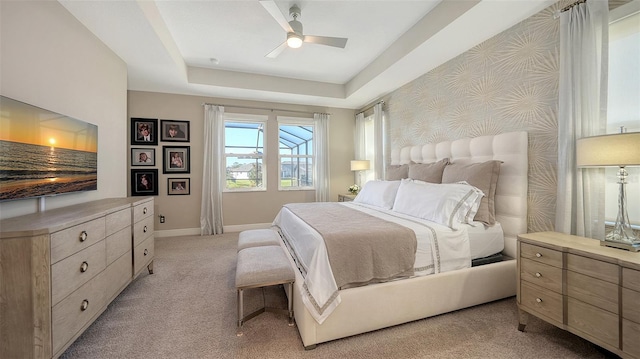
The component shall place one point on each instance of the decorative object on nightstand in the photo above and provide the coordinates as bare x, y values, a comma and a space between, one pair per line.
346, 197
359, 166
619, 150
354, 189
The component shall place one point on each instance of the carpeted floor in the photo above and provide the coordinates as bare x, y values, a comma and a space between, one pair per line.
187, 309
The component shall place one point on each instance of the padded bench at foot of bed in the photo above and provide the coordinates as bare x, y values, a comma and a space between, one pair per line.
257, 238
260, 267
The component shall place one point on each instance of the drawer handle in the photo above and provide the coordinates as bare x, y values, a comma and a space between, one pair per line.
538, 255
84, 266
144, 210
538, 300
144, 229
538, 275
83, 236
146, 251
84, 305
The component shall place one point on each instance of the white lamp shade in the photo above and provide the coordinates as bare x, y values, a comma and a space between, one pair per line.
294, 40
359, 165
609, 150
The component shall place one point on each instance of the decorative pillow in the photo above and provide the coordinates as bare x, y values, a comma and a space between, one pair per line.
484, 176
447, 204
397, 172
378, 193
428, 172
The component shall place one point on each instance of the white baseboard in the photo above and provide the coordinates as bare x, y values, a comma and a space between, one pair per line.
196, 231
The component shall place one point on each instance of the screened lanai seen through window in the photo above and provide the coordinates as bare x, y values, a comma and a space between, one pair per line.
296, 156
244, 154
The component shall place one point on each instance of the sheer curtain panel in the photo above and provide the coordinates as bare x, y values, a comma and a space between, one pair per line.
321, 150
379, 145
582, 113
212, 167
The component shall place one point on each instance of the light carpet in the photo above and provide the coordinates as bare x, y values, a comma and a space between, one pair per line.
187, 309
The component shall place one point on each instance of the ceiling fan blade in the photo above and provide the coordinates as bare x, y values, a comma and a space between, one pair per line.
326, 40
275, 12
275, 52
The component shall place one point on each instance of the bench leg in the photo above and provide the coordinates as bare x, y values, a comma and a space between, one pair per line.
291, 304
240, 312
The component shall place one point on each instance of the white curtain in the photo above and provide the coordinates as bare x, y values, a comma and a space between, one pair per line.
360, 142
582, 113
321, 150
378, 141
211, 204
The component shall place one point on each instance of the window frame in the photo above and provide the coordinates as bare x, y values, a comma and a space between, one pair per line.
250, 119
297, 121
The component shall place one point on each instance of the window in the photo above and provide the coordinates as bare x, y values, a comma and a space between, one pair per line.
244, 152
369, 149
623, 107
296, 155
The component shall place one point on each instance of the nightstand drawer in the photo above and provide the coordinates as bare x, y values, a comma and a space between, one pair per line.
541, 301
541, 254
545, 276
595, 322
593, 291
593, 268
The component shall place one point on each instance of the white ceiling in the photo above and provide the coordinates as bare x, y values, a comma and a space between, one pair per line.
168, 45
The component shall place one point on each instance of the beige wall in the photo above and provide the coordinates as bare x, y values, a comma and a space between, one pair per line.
182, 213
52, 61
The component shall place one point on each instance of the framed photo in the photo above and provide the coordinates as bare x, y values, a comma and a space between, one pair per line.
143, 157
174, 131
176, 159
144, 131
144, 182
178, 186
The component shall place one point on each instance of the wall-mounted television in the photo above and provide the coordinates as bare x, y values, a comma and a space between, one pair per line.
43, 153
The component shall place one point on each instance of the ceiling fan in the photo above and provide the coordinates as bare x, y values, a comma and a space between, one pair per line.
295, 36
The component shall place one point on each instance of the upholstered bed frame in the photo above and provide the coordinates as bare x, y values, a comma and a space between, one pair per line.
382, 305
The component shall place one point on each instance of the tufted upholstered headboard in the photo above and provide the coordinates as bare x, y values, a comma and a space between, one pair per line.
511, 190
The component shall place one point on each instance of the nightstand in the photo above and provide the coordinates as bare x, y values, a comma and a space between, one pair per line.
575, 284
346, 197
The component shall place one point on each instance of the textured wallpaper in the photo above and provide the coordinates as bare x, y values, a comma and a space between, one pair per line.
507, 83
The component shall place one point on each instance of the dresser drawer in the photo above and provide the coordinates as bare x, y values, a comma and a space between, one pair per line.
118, 275
74, 239
117, 221
142, 255
118, 244
631, 279
70, 315
595, 322
72, 272
142, 210
630, 335
593, 268
593, 291
631, 305
541, 274
142, 230
541, 254
541, 301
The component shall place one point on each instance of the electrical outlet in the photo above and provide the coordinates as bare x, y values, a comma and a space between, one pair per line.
161, 219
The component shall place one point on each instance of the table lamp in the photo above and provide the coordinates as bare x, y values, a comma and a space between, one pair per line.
618, 150
359, 166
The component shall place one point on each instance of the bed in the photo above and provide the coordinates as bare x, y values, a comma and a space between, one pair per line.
363, 308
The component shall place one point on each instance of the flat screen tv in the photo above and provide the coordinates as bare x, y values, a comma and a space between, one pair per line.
43, 153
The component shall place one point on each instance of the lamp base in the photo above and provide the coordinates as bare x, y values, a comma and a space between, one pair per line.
633, 247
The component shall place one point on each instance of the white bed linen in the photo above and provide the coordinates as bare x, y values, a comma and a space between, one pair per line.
440, 249
484, 240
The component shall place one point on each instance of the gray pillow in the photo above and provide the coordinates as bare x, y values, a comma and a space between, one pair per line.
481, 175
397, 172
428, 172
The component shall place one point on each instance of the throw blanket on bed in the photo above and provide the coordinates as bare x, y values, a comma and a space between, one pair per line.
361, 248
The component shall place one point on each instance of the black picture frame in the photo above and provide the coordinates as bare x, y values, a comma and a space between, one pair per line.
144, 182
143, 157
174, 131
138, 125
178, 186
176, 159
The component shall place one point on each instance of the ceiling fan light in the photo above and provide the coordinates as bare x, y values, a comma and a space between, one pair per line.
294, 40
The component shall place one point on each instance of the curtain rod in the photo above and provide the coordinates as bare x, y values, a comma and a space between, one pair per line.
370, 107
261, 108
568, 7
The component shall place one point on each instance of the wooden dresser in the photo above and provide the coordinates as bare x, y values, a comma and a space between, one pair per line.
578, 285
60, 269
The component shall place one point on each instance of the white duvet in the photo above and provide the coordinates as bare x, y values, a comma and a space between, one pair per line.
440, 249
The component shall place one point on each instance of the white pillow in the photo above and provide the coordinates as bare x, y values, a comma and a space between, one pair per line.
447, 203
378, 193
468, 219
